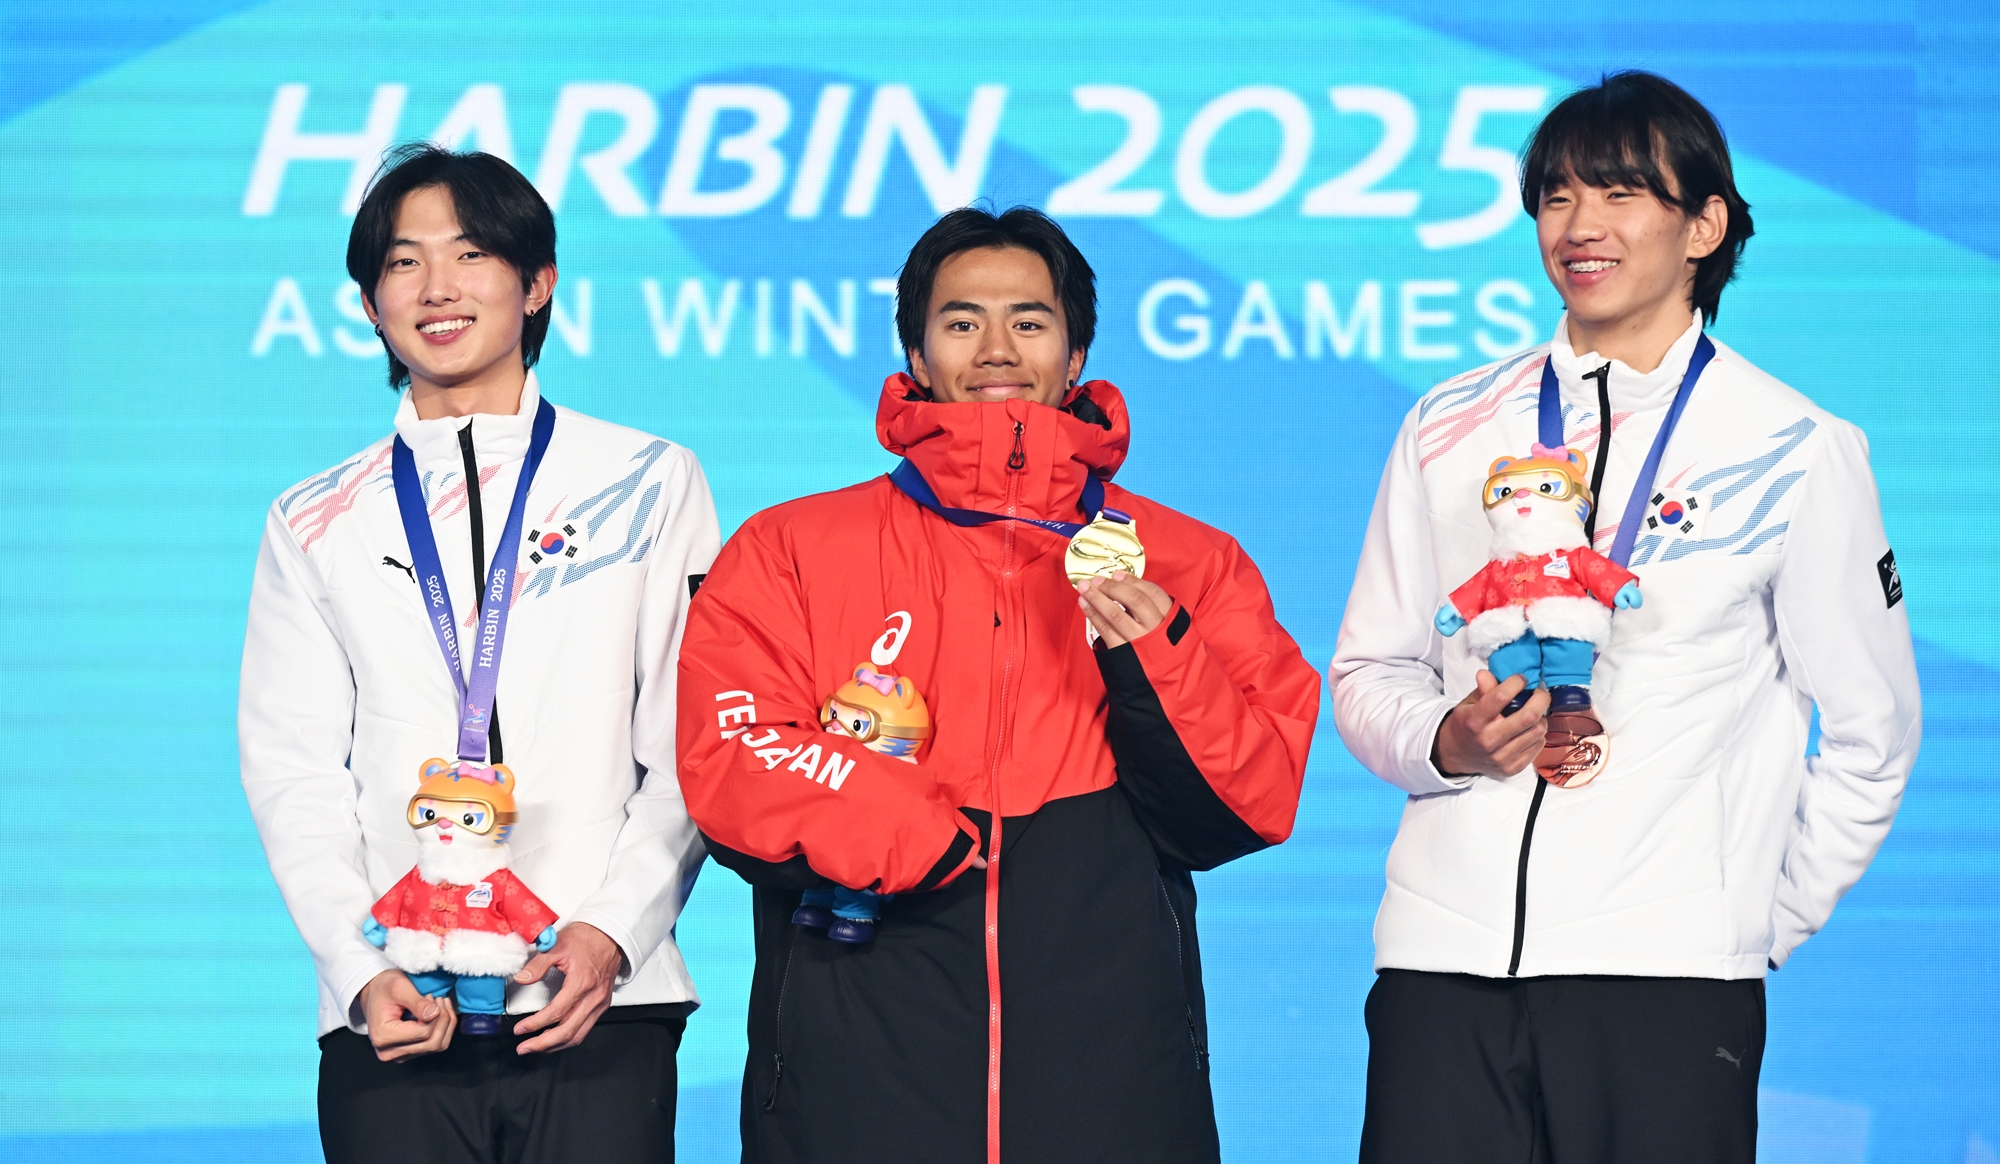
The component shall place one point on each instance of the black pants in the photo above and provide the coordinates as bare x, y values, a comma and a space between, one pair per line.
607, 1101
1571, 1070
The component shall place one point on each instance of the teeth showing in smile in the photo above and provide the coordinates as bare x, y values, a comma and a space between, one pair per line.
444, 326
1585, 266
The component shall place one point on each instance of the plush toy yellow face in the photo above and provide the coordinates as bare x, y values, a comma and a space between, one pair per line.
1545, 476
884, 712
463, 803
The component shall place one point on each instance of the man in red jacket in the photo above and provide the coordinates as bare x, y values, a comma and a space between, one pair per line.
1036, 983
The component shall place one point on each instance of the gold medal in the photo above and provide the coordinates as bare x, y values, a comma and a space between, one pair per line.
1104, 547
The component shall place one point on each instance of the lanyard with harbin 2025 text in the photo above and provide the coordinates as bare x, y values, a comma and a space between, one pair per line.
475, 697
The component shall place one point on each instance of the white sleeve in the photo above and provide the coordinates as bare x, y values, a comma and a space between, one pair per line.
1387, 672
1848, 650
658, 851
294, 731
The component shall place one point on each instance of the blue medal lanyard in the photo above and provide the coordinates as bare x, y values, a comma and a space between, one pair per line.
1550, 416
475, 698
910, 481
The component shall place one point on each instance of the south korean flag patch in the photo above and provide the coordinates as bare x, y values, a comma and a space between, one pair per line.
554, 543
1677, 513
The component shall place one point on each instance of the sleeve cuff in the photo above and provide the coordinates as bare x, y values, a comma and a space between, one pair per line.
351, 985
1156, 647
1424, 775
620, 935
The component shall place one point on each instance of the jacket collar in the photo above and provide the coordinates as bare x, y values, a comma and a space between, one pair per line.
496, 438
1630, 391
963, 450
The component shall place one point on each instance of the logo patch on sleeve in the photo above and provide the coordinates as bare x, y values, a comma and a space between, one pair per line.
1892, 580
1677, 513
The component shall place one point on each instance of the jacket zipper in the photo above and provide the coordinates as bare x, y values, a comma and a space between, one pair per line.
1017, 463
778, 1054
1603, 378
1180, 964
1521, 876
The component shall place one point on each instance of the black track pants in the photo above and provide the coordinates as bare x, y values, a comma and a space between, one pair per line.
608, 1101
1570, 1070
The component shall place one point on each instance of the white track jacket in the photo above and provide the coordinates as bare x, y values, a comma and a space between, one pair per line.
1711, 844
345, 691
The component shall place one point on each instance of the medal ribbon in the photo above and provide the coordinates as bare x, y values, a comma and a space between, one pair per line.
475, 698
1551, 420
907, 478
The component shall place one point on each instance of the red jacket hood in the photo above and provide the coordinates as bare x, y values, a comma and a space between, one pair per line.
963, 449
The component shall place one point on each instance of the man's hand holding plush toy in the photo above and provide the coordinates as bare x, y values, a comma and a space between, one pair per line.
1479, 738
590, 963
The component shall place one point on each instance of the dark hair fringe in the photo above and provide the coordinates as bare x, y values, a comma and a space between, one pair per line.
1641, 130
499, 210
1021, 227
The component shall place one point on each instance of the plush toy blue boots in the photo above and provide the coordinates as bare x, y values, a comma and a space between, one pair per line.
847, 915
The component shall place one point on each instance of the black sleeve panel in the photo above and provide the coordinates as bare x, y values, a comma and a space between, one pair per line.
792, 874
797, 874
961, 846
1190, 825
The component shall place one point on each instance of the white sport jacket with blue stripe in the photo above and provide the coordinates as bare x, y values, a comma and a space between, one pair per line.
1712, 845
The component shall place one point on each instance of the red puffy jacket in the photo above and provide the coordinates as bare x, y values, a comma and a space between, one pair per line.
1094, 782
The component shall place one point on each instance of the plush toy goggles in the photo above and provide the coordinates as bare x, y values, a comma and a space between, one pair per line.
875, 728
1541, 482
474, 816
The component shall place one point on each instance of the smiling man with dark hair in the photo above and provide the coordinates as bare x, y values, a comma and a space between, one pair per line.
1573, 969
479, 510
1112, 706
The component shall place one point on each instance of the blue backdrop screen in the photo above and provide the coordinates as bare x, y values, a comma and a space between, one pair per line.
1301, 220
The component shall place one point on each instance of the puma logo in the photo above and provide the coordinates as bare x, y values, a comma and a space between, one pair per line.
1734, 1060
389, 561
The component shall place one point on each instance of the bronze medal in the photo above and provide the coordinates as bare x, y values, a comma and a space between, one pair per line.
1573, 751
1104, 547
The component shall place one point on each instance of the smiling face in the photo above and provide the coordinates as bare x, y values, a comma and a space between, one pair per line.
1623, 261
994, 331
452, 312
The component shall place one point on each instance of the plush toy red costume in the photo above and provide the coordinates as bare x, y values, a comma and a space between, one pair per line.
1524, 584
497, 904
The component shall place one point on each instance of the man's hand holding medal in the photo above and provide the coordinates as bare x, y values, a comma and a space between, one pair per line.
1121, 606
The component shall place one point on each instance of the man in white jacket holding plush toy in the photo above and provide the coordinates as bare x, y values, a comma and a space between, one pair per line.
505, 581
1576, 972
